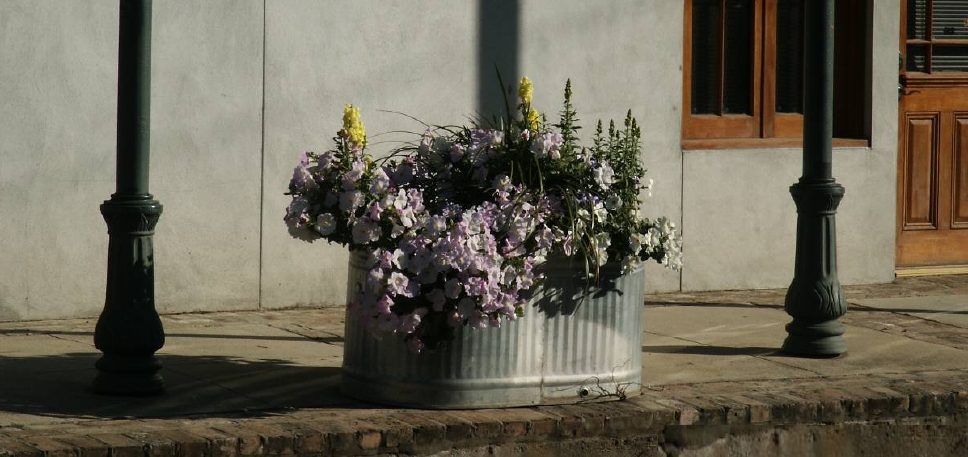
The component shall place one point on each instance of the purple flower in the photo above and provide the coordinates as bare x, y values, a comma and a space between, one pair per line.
326, 160
351, 177
384, 304
302, 179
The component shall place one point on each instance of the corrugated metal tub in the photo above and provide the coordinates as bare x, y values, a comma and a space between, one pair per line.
563, 349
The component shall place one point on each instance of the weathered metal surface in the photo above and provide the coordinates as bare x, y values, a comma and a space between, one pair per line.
569, 345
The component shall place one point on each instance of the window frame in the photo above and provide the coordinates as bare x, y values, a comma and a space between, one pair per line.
765, 127
706, 126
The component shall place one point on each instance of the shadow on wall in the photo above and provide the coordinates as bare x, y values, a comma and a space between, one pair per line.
498, 47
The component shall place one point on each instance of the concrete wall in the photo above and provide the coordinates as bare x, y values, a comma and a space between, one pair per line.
58, 85
242, 87
206, 153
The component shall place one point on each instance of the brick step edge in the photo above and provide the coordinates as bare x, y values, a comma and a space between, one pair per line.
351, 432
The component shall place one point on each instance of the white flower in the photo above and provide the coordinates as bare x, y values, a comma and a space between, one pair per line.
497, 137
397, 283
365, 231
600, 243
407, 217
436, 225
635, 243
400, 201
399, 259
350, 200
546, 145
604, 175
502, 182
325, 224
379, 182
600, 212
672, 261
629, 263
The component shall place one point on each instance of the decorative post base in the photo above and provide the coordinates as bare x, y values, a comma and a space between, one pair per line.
129, 330
128, 375
815, 298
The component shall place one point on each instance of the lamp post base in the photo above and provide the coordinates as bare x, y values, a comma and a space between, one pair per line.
129, 331
820, 340
128, 375
815, 298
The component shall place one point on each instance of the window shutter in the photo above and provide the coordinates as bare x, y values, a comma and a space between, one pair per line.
789, 56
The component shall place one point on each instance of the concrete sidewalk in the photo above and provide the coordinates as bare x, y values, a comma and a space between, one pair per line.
267, 383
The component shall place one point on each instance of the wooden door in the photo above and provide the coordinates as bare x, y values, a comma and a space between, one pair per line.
932, 188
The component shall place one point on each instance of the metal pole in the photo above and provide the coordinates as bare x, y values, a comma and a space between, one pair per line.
815, 298
129, 330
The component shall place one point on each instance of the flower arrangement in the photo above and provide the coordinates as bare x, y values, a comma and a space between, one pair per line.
455, 223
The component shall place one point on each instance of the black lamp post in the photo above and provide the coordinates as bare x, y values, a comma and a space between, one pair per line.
815, 298
129, 330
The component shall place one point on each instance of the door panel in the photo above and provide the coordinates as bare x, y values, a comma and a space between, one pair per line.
921, 159
959, 218
932, 186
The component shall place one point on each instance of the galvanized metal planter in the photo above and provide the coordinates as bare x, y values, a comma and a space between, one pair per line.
570, 345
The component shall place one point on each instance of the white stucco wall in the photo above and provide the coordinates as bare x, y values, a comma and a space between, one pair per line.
206, 153
58, 85
242, 87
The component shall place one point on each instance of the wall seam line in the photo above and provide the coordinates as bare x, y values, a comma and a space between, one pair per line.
682, 204
262, 157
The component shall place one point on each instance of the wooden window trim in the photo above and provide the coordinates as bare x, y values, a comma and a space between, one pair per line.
765, 127
764, 143
717, 126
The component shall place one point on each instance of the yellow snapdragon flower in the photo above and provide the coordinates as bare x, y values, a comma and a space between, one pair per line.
353, 126
524, 91
534, 119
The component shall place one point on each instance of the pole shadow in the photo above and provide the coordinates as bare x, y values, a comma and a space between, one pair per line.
713, 350
498, 49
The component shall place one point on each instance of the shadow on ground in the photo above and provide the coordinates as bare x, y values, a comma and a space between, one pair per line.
661, 303
330, 339
712, 350
60, 386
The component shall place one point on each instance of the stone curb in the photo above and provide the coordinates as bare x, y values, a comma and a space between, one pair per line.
902, 398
